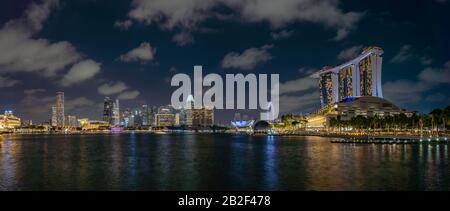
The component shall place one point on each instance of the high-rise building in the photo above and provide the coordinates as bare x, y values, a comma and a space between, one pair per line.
165, 116
202, 117
111, 111
127, 118
115, 113
71, 121
60, 109
328, 88
108, 110
137, 118
145, 115
152, 116
53, 121
198, 117
360, 76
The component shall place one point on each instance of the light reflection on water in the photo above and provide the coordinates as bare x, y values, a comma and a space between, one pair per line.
216, 162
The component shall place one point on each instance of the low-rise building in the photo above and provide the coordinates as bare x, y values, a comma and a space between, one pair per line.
350, 107
9, 121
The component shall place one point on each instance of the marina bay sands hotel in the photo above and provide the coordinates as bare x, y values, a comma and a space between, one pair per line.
358, 77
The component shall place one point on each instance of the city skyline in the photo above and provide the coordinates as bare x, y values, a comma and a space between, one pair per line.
128, 55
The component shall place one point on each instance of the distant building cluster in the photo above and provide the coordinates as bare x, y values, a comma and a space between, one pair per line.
143, 117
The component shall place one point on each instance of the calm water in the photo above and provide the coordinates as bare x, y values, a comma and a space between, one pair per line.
216, 162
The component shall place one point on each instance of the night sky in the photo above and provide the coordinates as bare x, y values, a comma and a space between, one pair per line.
130, 49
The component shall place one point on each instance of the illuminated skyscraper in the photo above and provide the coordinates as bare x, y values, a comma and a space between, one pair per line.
145, 115
108, 110
59, 109
328, 88
115, 113
165, 116
198, 117
53, 121
360, 76
71, 121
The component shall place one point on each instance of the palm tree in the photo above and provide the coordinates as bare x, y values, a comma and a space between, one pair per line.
436, 116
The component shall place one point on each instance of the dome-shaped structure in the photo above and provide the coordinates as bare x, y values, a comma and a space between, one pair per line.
242, 123
261, 126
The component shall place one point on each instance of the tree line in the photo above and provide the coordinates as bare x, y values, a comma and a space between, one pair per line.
436, 121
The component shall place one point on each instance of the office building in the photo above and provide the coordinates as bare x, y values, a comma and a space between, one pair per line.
108, 110
197, 117
53, 121
165, 117
115, 113
71, 121
59, 109
145, 115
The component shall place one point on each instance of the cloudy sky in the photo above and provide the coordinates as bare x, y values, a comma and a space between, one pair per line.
130, 49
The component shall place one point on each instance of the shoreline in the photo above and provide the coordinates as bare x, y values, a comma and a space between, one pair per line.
340, 136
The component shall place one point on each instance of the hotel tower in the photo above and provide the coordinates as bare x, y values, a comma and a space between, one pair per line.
360, 76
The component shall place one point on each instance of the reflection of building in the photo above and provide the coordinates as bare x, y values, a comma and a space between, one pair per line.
59, 109
358, 77
9, 121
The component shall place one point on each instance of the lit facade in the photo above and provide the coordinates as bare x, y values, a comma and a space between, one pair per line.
53, 119
198, 117
165, 117
95, 125
366, 106
71, 121
111, 112
345, 83
360, 76
145, 115
328, 88
108, 110
9, 121
351, 107
202, 117
116, 113
59, 109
